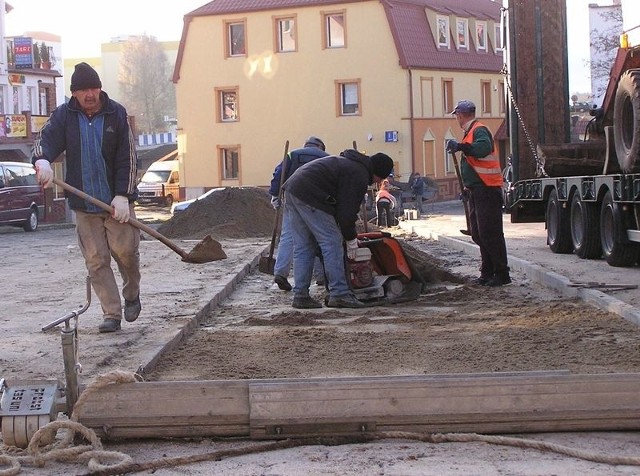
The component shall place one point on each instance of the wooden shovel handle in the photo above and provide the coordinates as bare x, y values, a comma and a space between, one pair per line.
132, 221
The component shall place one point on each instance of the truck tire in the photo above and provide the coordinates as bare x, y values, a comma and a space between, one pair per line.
168, 201
617, 250
557, 224
585, 228
626, 121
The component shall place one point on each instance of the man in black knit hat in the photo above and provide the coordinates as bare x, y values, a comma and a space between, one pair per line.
101, 160
323, 199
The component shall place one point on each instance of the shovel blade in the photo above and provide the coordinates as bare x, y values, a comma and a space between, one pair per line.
266, 265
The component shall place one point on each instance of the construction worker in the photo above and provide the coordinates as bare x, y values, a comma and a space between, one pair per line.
313, 148
323, 199
482, 180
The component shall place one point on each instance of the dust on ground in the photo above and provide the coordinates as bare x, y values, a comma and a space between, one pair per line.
454, 327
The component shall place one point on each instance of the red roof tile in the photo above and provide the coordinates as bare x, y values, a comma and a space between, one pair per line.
408, 23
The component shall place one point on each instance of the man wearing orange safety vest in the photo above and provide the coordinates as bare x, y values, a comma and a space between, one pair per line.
482, 179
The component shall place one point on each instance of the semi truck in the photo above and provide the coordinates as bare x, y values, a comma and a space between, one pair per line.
588, 193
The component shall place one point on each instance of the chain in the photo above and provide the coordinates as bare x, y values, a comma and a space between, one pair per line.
540, 172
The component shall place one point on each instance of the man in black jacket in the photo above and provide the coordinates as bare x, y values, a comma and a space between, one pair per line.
94, 132
323, 199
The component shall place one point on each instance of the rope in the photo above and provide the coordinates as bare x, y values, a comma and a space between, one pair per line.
103, 463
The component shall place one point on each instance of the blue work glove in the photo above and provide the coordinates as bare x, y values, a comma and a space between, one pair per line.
453, 146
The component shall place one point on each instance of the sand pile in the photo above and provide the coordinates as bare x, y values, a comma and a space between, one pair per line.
231, 212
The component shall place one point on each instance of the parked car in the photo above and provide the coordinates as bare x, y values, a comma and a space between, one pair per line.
21, 197
178, 207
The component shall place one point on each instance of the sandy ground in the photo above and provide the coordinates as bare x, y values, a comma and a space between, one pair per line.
454, 327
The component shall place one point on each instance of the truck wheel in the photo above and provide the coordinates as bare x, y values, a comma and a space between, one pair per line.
557, 224
168, 200
626, 121
617, 250
585, 228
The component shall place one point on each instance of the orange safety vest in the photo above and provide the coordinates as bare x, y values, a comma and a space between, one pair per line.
487, 168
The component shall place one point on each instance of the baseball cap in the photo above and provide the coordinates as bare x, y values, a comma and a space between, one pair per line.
465, 106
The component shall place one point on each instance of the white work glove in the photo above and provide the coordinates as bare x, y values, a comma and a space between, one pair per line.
120, 205
275, 202
44, 173
352, 248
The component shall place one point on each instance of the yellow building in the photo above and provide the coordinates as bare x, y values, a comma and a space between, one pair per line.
252, 74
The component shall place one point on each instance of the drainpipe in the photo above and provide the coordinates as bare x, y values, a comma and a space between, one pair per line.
411, 121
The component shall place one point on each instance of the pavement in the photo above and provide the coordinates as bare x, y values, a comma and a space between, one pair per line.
529, 256
47, 278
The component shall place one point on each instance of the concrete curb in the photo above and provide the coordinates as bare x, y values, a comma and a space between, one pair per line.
538, 274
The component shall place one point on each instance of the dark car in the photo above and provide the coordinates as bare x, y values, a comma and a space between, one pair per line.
21, 197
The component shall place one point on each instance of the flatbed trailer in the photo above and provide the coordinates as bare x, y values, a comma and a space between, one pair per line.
589, 215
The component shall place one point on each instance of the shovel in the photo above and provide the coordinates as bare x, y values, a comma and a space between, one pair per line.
267, 263
464, 200
205, 251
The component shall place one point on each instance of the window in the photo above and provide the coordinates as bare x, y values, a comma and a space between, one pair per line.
236, 40
481, 35
3, 95
486, 96
448, 160
285, 34
426, 97
334, 27
31, 99
227, 104
17, 100
499, 38
462, 32
230, 162
447, 96
502, 107
348, 97
443, 31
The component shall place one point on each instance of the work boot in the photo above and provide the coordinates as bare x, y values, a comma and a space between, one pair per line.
482, 280
499, 280
348, 300
132, 309
109, 325
305, 302
282, 282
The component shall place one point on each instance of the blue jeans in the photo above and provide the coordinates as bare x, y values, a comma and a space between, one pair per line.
311, 228
284, 257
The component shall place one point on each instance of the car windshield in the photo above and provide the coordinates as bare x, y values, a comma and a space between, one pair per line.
159, 176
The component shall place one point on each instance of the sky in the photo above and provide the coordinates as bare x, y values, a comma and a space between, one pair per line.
85, 24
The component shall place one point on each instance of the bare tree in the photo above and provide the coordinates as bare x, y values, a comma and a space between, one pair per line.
604, 47
145, 86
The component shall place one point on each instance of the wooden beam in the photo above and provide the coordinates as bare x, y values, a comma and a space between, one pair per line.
517, 402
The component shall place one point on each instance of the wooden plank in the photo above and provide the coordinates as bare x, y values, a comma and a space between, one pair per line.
494, 404
278, 408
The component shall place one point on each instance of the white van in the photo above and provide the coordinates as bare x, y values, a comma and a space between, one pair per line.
160, 184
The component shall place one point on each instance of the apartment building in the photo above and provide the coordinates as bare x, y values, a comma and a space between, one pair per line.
383, 74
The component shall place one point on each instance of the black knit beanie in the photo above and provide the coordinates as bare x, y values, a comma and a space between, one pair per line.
85, 77
381, 165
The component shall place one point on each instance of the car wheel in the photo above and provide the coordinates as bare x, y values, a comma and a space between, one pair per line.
32, 222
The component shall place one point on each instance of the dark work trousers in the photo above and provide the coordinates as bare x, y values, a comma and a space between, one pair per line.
485, 219
384, 210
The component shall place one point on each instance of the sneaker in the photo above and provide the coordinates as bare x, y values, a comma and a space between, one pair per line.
482, 281
499, 281
348, 300
109, 325
132, 309
282, 283
305, 302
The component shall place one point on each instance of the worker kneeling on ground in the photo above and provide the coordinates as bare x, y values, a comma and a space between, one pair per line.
323, 199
